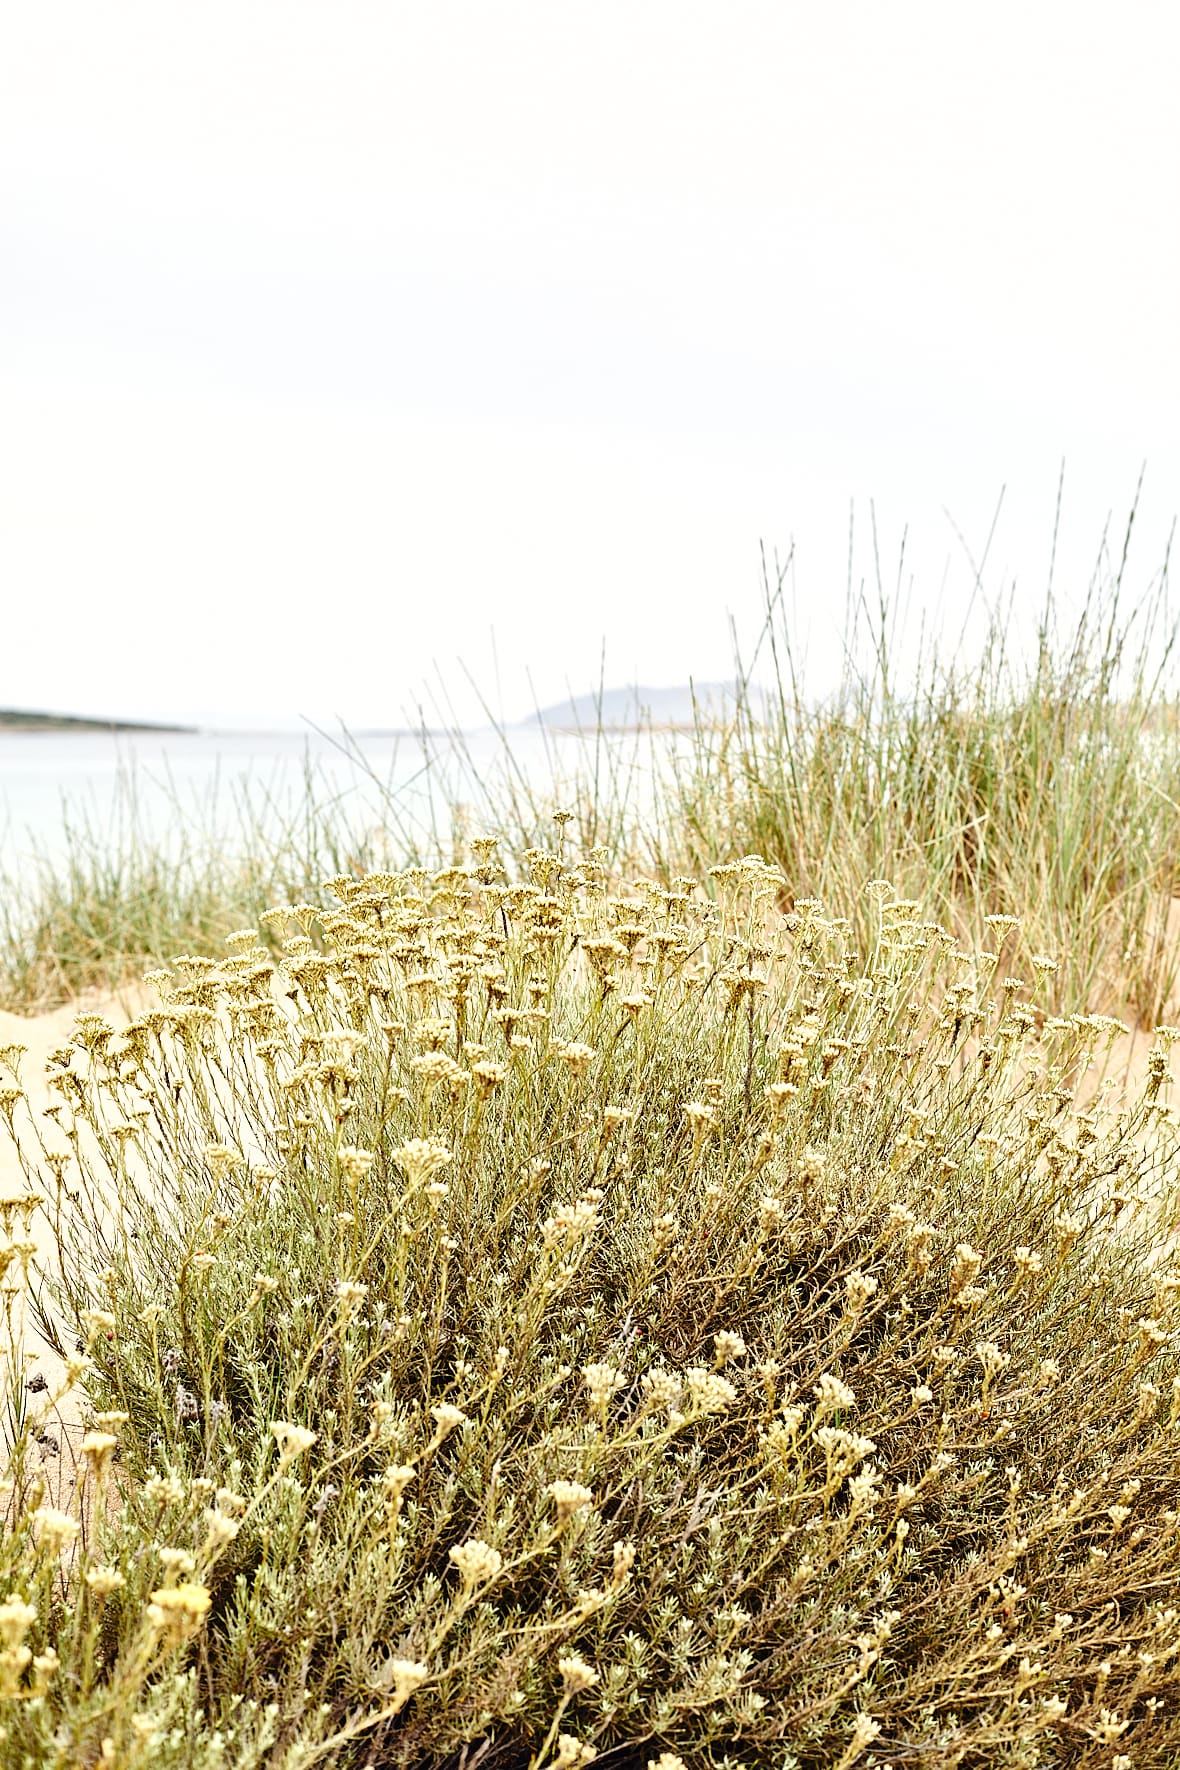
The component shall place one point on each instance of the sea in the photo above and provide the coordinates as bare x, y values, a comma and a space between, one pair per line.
96, 786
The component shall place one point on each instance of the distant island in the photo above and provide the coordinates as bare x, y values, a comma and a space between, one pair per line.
638, 708
13, 720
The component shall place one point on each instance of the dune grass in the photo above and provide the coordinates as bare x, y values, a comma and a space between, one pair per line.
1039, 782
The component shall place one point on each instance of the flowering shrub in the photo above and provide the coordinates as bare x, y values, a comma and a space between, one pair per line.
545, 1321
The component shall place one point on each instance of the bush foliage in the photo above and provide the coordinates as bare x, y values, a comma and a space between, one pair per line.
542, 1321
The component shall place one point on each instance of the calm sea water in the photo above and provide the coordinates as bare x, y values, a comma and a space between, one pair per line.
216, 784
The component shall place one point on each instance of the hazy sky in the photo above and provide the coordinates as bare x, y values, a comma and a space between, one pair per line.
346, 344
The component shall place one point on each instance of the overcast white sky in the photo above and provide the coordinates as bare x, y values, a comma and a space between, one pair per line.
339, 337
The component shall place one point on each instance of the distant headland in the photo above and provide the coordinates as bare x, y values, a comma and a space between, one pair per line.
13, 720
636, 708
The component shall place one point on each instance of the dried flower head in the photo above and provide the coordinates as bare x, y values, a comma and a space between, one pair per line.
576, 1057
576, 1675
179, 1609
477, 1561
832, 1396
291, 1439
104, 1580
569, 1497
406, 1676
421, 1158
97, 1447
447, 1417
354, 1163
661, 1388
220, 1529
859, 1287
572, 1754
17, 1617
54, 1531
602, 1382
709, 1393
622, 1561
965, 1266
349, 1293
